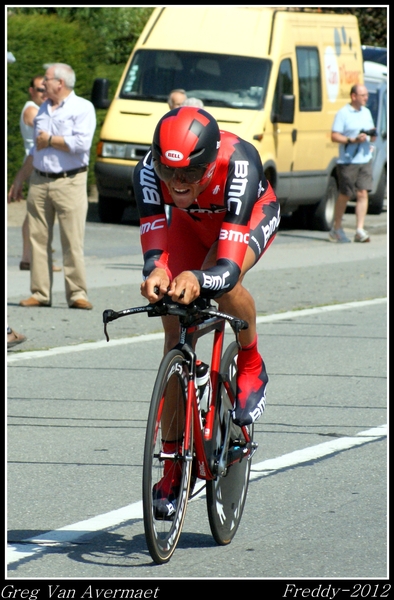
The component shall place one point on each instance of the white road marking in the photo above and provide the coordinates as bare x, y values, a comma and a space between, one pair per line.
12, 358
71, 533
299, 457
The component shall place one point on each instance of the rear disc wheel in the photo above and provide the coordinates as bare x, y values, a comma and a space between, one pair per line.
226, 495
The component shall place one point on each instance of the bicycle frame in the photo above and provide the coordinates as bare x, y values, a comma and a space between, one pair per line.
195, 322
203, 432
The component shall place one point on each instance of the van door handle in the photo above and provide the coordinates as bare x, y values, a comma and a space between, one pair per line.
294, 135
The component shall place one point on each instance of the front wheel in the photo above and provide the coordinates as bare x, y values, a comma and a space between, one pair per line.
165, 457
226, 495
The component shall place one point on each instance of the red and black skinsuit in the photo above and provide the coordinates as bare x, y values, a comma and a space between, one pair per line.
238, 209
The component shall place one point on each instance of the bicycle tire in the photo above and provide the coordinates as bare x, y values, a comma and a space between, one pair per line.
226, 495
162, 535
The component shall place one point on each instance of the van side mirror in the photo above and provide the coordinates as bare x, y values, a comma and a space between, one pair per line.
100, 92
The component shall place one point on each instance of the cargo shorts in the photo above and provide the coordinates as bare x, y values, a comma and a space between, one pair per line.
354, 177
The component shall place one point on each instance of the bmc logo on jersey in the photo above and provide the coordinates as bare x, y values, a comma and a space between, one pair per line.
173, 155
152, 225
215, 282
234, 236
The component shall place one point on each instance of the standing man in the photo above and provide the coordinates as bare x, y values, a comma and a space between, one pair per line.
58, 165
353, 129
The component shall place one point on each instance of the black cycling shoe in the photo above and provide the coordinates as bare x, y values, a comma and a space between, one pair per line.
250, 402
164, 508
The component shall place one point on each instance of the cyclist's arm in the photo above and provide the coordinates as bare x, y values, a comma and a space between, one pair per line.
245, 183
153, 221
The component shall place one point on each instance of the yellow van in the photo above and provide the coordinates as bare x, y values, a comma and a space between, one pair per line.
275, 76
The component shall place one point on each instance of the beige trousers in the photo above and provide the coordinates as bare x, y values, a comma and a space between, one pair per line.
67, 199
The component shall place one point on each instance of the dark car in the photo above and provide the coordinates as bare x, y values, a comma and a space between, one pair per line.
375, 54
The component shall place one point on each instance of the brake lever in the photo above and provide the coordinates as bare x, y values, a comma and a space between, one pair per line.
107, 317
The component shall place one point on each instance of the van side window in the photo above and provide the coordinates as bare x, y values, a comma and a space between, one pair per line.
284, 85
309, 79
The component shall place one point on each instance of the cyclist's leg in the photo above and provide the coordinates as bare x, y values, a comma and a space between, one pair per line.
252, 377
187, 248
186, 251
240, 303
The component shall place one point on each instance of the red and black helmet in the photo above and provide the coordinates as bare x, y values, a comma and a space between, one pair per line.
186, 137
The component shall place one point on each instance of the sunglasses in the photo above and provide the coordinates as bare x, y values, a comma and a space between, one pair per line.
40, 89
184, 174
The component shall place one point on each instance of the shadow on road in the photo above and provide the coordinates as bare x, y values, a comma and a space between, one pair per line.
129, 216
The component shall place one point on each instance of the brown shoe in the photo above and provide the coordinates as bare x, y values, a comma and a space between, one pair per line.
25, 266
32, 302
82, 304
14, 338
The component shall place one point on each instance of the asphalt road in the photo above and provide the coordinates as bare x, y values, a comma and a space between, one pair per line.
77, 406
301, 269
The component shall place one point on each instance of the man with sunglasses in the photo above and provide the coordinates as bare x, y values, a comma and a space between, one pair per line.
26, 125
224, 216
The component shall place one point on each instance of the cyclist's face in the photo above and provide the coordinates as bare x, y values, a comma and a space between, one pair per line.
184, 184
184, 194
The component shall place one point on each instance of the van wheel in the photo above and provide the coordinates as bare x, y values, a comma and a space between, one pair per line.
322, 215
375, 202
110, 210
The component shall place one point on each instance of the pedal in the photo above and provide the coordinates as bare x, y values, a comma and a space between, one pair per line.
236, 453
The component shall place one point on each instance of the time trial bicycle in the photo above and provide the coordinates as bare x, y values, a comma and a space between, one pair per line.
210, 446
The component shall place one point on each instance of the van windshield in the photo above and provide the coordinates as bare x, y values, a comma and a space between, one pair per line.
216, 79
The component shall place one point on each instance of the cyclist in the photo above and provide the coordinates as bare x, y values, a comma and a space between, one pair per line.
224, 215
